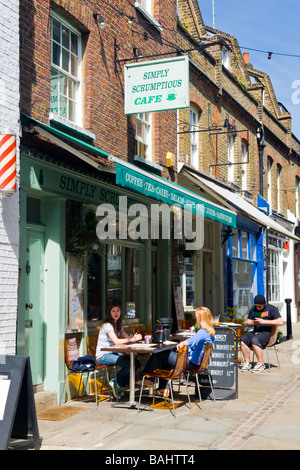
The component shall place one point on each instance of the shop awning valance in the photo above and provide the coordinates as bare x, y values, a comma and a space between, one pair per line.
232, 199
67, 141
132, 177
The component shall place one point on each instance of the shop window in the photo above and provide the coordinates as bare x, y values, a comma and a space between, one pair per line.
143, 136
241, 255
274, 276
65, 70
187, 281
114, 278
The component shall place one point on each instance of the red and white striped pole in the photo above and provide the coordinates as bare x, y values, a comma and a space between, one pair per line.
7, 163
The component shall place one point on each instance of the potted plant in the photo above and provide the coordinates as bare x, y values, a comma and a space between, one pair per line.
84, 242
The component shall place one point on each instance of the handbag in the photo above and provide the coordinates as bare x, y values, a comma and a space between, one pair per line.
159, 333
83, 364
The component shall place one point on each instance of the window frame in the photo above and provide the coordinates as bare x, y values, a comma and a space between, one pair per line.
244, 151
147, 125
230, 157
76, 80
194, 143
278, 183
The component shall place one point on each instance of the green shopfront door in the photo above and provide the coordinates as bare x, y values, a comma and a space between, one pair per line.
34, 303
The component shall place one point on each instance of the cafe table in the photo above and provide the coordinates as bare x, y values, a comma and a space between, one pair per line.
132, 350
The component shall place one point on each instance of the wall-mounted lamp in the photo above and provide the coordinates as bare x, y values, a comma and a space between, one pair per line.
98, 17
7, 163
226, 123
137, 52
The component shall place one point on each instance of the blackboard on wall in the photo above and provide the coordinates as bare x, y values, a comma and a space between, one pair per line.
17, 407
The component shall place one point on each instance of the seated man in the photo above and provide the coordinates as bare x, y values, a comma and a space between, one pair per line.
262, 317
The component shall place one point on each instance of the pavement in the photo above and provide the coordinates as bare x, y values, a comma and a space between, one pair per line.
265, 416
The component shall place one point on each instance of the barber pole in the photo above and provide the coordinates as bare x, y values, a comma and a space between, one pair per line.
7, 164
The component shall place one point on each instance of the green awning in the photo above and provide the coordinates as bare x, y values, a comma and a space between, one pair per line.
65, 137
131, 177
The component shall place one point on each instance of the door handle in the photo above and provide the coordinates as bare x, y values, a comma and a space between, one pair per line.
29, 306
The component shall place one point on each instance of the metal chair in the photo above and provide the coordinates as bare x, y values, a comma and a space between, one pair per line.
202, 368
71, 347
91, 346
272, 344
169, 375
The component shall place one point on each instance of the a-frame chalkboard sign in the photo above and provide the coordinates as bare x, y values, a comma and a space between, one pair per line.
17, 407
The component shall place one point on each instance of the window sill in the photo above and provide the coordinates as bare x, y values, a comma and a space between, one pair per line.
148, 163
147, 15
70, 125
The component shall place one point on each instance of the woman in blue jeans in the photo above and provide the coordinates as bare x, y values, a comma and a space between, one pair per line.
112, 333
166, 360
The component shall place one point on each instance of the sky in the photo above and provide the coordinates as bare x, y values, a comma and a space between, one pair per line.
267, 25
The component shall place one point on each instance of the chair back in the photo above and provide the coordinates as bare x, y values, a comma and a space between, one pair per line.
205, 361
71, 350
181, 363
273, 337
91, 345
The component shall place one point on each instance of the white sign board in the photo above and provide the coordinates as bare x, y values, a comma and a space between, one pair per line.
158, 85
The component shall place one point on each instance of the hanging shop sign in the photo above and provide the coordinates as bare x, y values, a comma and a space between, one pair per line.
157, 85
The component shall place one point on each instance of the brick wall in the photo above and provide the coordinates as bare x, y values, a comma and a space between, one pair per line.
103, 88
9, 206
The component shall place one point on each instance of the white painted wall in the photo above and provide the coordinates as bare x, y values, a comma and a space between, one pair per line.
9, 206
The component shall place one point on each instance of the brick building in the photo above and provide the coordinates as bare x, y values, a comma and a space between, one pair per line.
79, 150
236, 145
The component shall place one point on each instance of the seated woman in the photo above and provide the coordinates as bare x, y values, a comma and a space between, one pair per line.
112, 333
166, 360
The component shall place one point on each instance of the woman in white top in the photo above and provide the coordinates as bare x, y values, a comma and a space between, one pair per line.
112, 332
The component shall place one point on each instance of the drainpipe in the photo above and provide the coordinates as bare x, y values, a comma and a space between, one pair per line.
260, 135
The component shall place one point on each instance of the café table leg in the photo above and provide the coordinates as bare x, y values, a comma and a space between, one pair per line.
132, 403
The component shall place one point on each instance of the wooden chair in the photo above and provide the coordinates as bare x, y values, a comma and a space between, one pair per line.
71, 347
169, 375
91, 346
202, 368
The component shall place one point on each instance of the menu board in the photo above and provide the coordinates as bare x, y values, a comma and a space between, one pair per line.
222, 365
17, 407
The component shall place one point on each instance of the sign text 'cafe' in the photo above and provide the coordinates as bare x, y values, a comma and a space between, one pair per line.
158, 85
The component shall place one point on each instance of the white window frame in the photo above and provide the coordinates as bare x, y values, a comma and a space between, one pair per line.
230, 157
278, 180
297, 197
226, 58
145, 120
274, 281
269, 181
76, 80
194, 145
145, 7
244, 149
